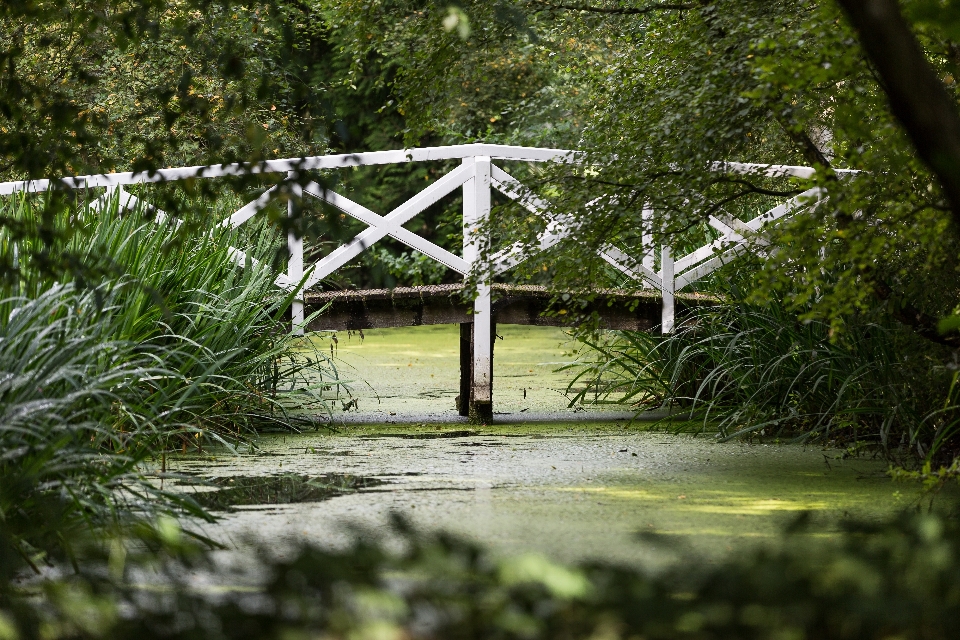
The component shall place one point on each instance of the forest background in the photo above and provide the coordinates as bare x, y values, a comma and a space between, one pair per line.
122, 340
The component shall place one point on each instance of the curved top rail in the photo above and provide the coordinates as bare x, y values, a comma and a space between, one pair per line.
450, 152
307, 163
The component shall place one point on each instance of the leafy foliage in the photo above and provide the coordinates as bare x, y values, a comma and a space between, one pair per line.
174, 347
892, 579
101, 85
744, 370
657, 93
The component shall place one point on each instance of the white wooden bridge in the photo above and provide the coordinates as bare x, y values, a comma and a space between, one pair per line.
477, 175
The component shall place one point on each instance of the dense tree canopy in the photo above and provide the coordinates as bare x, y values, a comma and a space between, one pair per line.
653, 92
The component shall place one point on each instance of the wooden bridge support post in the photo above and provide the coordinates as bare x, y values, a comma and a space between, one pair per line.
667, 287
466, 368
481, 392
295, 266
476, 215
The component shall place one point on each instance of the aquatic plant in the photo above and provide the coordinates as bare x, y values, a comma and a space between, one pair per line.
174, 346
176, 288
78, 413
742, 370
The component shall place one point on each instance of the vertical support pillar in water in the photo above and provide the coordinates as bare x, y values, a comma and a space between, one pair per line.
466, 368
476, 213
668, 282
295, 266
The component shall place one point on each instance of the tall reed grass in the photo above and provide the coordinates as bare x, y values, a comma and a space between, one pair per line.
745, 370
173, 345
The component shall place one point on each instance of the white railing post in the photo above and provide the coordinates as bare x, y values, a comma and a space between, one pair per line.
295, 266
667, 288
476, 215
646, 240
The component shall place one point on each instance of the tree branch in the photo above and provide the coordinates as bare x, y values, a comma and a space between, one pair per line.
752, 188
622, 11
917, 98
906, 314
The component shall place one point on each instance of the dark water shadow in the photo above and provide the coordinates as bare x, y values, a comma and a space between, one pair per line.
234, 491
422, 436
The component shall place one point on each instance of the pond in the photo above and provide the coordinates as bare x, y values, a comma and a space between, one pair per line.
573, 491
585, 485
412, 374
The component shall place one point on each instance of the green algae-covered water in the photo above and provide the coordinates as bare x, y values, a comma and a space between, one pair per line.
572, 491
413, 372
583, 485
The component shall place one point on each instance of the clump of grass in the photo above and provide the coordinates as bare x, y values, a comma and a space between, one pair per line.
172, 345
740, 369
79, 411
224, 329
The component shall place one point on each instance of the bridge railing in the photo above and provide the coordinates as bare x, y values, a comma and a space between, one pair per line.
477, 176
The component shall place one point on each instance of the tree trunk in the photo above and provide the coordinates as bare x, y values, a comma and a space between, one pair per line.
917, 97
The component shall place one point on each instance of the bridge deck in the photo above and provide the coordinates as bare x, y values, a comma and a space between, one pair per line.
512, 304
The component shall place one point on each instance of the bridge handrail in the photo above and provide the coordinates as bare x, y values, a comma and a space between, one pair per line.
367, 158
286, 165
477, 176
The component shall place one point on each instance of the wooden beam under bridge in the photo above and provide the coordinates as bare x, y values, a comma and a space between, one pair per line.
512, 304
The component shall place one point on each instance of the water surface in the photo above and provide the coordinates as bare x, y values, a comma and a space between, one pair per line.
413, 374
573, 491
587, 484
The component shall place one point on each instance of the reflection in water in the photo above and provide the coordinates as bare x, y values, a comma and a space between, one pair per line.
422, 435
283, 489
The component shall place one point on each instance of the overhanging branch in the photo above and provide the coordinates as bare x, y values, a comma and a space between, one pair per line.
917, 97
